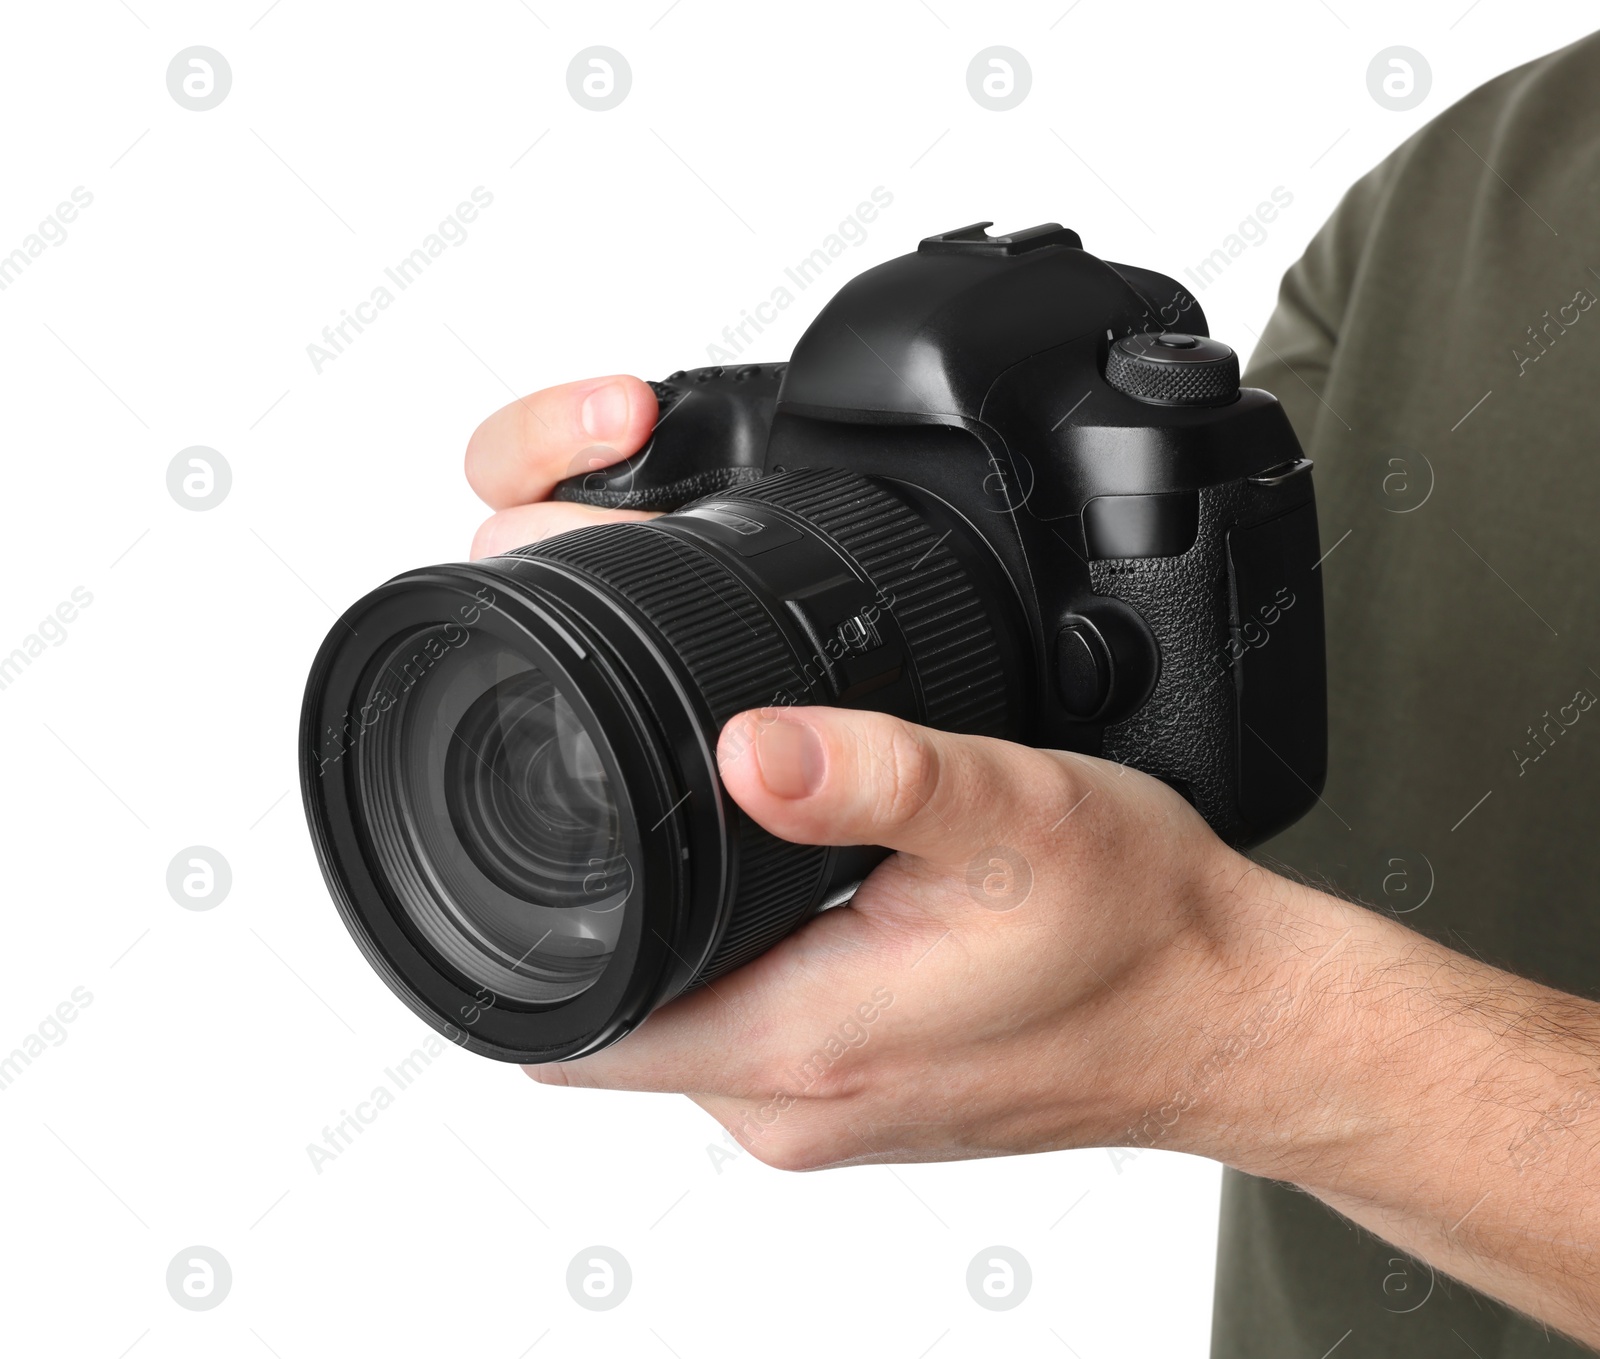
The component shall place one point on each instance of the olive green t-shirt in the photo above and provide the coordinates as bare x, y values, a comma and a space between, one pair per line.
1438, 350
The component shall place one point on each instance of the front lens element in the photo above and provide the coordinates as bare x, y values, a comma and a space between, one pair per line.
530, 800
497, 820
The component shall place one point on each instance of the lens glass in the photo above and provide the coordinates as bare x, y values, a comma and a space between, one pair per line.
495, 813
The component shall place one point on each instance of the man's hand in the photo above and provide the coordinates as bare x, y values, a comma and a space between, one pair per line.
517, 455
1062, 954
1011, 980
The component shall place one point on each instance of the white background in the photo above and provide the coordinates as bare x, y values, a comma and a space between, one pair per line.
218, 1044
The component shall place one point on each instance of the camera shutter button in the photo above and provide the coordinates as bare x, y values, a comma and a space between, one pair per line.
1174, 369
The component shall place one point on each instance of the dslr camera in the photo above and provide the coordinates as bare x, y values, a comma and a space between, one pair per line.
1002, 486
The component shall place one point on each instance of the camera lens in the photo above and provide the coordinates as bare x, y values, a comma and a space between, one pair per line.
509, 767
493, 809
529, 799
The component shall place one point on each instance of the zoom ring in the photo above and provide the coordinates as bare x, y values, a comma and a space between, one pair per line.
949, 633
738, 659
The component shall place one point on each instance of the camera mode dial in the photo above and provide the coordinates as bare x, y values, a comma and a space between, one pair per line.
1173, 369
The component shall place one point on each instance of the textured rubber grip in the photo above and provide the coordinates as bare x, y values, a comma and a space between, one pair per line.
1188, 730
710, 432
1184, 731
658, 498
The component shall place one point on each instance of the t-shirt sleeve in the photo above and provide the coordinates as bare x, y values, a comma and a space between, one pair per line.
1296, 351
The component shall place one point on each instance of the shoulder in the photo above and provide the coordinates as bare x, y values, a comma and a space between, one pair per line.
1532, 130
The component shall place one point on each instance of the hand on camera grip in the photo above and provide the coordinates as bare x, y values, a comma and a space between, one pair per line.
710, 434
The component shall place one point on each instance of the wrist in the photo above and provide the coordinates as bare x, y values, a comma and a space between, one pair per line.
1296, 1057
1437, 1101
1357, 1041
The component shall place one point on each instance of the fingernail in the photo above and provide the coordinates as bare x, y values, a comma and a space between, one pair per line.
605, 412
790, 759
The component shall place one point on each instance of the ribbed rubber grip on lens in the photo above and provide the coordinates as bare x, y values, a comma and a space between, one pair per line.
738, 659
708, 616
946, 626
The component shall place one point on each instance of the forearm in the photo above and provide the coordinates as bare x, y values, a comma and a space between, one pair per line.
1451, 1108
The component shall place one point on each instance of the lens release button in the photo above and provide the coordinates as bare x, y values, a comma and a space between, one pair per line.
1083, 669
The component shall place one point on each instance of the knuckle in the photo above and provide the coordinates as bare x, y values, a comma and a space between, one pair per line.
529, 421
551, 1073
826, 1072
486, 541
477, 457
1058, 788
1061, 783
785, 1150
910, 775
497, 453
582, 1074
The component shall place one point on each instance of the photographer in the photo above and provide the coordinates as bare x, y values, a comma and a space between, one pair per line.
1153, 988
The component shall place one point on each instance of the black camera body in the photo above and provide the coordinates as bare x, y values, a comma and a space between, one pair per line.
1155, 524
1001, 487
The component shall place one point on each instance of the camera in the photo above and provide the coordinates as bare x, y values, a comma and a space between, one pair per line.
1001, 486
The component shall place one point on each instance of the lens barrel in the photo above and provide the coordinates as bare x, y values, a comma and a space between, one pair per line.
509, 767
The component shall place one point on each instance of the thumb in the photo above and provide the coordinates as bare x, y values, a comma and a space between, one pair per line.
828, 776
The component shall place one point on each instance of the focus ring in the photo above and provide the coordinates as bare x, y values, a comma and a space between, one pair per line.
737, 656
948, 630
708, 617
738, 659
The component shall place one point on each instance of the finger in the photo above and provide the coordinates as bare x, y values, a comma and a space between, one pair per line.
524, 524
522, 450
827, 776
758, 1029
788, 1131
689, 1044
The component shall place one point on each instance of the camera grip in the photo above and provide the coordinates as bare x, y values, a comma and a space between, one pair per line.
710, 435
1236, 719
